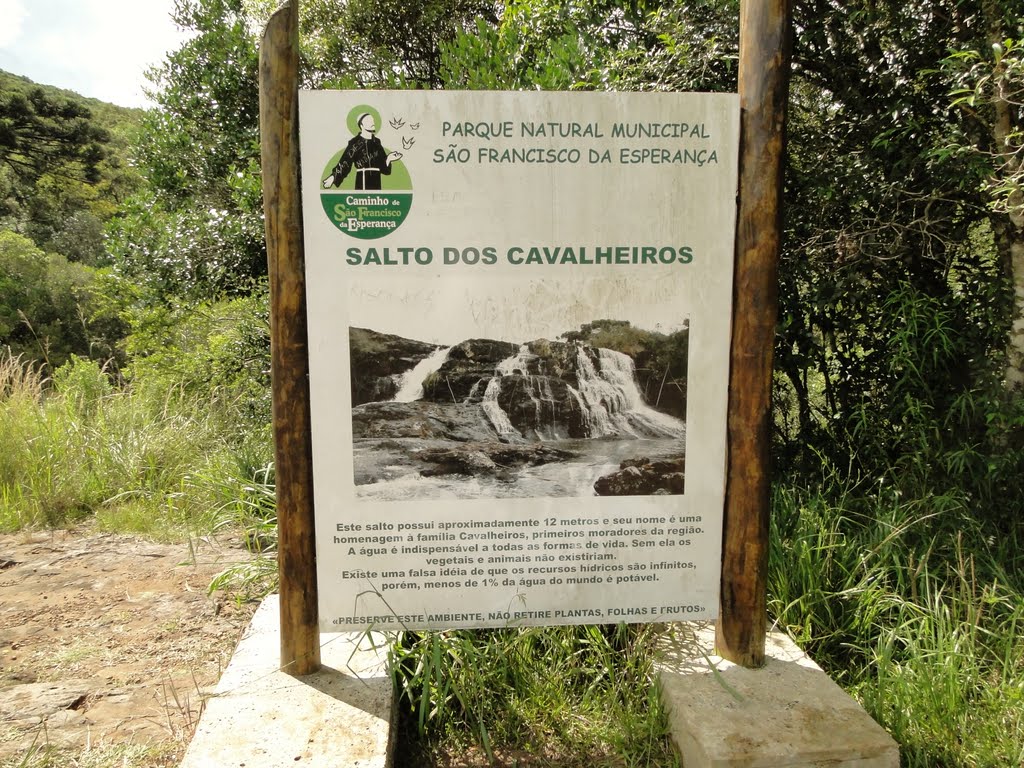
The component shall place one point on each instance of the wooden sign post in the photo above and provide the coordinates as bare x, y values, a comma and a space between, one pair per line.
763, 84
279, 91
764, 64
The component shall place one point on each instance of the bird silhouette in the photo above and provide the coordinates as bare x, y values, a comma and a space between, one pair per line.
407, 143
397, 122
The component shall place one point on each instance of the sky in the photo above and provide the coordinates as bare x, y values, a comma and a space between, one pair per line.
98, 48
509, 309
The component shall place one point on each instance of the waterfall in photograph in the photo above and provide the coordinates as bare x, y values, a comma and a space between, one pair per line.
498, 418
541, 419
607, 395
613, 400
410, 388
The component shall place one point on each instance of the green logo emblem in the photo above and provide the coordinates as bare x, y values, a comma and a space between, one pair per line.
366, 190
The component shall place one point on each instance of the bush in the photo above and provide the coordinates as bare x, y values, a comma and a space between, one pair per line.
49, 309
82, 385
215, 350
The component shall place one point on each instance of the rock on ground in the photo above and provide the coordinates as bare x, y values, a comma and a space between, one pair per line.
109, 640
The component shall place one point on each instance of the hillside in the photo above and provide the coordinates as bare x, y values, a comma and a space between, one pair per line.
64, 166
109, 116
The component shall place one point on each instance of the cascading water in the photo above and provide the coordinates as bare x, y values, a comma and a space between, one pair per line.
410, 387
543, 425
474, 392
517, 363
568, 395
608, 397
498, 418
612, 402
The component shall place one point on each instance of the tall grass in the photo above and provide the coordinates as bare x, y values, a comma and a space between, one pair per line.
566, 696
913, 601
77, 446
915, 608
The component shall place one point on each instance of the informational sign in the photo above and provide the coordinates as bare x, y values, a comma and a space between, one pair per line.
519, 324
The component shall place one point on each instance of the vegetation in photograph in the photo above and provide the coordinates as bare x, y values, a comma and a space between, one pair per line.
134, 387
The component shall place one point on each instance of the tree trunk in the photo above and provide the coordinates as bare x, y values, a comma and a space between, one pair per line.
1008, 228
289, 343
1015, 344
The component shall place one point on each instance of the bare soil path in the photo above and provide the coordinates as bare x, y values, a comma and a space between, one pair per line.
108, 645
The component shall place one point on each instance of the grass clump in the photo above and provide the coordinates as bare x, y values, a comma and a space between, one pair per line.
249, 504
916, 606
77, 445
566, 696
127, 755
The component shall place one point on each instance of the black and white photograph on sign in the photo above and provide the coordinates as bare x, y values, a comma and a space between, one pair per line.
598, 409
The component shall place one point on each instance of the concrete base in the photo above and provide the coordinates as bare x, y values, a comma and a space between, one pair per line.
263, 718
787, 714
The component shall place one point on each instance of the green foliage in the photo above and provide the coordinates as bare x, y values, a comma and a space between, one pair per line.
208, 100
38, 133
384, 43
48, 307
196, 228
619, 335
919, 401
210, 349
88, 448
82, 385
914, 605
597, 45
895, 303
248, 502
62, 166
195, 254
987, 87
513, 56
496, 688
690, 46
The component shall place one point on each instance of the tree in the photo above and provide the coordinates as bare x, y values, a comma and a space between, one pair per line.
63, 166
894, 302
197, 227
40, 134
197, 230
48, 306
53, 159
988, 85
383, 43
598, 45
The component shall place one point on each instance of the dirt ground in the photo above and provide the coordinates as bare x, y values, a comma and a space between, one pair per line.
108, 645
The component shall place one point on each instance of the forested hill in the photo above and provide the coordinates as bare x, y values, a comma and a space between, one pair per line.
109, 116
64, 173
64, 165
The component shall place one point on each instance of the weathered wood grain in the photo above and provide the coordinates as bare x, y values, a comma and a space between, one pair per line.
289, 344
763, 84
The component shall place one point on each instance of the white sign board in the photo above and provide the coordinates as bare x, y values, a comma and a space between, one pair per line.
519, 323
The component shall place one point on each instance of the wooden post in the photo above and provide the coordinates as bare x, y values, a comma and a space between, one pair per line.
763, 85
289, 344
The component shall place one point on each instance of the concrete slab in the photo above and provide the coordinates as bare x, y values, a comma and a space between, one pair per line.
788, 714
263, 718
